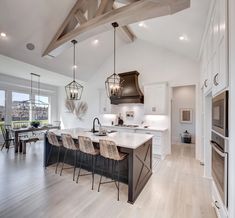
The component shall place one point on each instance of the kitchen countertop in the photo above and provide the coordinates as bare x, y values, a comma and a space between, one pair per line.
150, 128
122, 139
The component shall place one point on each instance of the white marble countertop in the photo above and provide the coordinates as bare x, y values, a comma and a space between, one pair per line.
122, 139
150, 128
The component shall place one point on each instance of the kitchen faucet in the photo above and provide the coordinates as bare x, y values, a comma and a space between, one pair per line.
93, 129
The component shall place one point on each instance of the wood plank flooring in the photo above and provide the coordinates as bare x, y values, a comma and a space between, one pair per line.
175, 190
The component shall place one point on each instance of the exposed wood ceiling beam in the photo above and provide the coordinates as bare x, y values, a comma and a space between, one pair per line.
126, 1
130, 13
92, 8
105, 6
80, 17
126, 33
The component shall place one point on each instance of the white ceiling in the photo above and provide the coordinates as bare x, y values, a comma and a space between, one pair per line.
36, 22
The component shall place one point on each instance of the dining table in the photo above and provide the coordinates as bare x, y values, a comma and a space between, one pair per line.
19, 131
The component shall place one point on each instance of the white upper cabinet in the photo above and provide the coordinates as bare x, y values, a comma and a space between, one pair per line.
220, 74
104, 102
214, 70
156, 99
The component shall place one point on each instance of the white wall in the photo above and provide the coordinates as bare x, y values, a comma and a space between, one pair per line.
183, 97
154, 65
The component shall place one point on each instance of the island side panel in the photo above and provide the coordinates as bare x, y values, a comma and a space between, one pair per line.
140, 170
47, 147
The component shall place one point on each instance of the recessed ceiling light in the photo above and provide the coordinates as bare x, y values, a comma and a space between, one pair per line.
95, 42
75, 66
3, 35
183, 38
142, 24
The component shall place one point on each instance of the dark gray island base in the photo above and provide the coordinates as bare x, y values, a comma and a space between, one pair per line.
135, 170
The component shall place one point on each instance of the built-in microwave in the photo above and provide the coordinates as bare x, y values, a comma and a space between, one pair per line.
220, 113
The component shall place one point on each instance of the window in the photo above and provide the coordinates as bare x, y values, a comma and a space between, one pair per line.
41, 112
2, 107
19, 113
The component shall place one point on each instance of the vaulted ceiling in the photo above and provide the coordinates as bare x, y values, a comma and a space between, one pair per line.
36, 22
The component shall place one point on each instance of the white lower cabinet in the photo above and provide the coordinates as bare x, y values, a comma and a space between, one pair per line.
217, 203
160, 144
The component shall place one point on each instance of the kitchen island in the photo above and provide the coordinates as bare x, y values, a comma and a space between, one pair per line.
135, 170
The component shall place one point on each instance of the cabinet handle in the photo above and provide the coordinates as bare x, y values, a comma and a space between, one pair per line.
216, 205
205, 83
215, 79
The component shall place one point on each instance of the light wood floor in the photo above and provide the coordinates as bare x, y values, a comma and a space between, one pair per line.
175, 190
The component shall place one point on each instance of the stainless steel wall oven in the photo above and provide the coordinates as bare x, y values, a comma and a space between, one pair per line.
220, 113
220, 165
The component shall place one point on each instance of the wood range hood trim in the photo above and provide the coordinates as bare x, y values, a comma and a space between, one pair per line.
131, 92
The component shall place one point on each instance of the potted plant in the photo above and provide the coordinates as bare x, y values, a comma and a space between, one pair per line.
35, 123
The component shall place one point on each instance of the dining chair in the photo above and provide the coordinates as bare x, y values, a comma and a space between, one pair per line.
7, 136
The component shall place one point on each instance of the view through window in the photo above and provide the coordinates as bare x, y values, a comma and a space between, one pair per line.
20, 113
41, 112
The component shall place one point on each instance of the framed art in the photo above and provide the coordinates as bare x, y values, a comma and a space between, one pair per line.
186, 115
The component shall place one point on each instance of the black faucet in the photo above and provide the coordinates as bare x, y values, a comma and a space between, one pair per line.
93, 129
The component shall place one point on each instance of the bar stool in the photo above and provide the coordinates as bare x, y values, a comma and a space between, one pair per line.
69, 145
86, 147
109, 151
52, 138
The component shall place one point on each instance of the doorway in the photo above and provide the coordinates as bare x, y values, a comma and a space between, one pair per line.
183, 113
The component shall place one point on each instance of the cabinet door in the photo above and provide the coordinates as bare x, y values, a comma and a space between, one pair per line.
104, 101
220, 77
222, 18
155, 99
215, 26
208, 75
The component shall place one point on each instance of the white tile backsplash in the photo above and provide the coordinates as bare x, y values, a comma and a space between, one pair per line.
139, 117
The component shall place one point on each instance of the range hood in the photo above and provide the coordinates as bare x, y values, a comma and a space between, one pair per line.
131, 92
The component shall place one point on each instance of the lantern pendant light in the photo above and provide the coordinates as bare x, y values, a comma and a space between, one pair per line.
74, 89
113, 83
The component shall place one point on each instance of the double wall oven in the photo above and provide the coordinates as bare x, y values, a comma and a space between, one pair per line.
220, 165
219, 144
220, 114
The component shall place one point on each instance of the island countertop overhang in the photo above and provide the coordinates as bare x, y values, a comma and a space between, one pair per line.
122, 139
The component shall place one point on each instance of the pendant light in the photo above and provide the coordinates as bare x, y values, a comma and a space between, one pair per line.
74, 89
113, 83
33, 104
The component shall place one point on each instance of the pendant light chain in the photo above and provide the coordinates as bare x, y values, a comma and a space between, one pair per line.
114, 56
31, 85
74, 60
